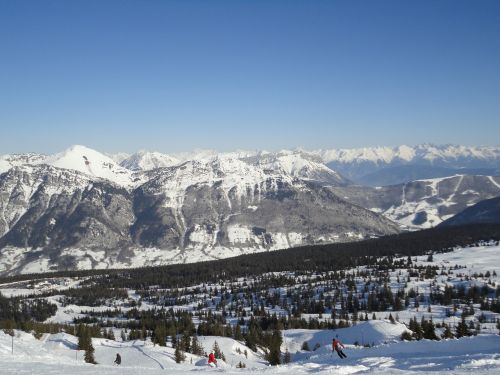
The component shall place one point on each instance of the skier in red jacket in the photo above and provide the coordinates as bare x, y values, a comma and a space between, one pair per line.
338, 346
211, 360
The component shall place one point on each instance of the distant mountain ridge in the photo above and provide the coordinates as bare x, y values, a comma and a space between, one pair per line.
362, 165
377, 166
374, 166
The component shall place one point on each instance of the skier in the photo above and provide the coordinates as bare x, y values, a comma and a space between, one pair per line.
118, 359
336, 346
212, 362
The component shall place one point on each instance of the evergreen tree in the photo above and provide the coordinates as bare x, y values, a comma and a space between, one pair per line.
185, 343
287, 358
110, 334
462, 329
159, 335
274, 355
391, 319
216, 350
196, 348
85, 343
447, 334
429, 330
237, 333
179, 355
305, 346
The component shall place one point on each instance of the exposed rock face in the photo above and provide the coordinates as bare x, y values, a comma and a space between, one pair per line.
53, 218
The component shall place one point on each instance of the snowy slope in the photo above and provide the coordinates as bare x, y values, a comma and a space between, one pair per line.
145, 161
92, 163
55, 354
15, 160
371, 332
298, 164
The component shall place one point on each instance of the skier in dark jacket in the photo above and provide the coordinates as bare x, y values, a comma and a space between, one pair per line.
118, 359
337, 346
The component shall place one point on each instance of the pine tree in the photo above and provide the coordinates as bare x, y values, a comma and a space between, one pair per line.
160, 334
462, 329
179, 355
89, 353
196, 348
85, 343
287, 358
110, 334
237, 333
418, 333
216, 350
406, 336
274, 355
185, 342
391, 319
447, 334
305, 346
429, 330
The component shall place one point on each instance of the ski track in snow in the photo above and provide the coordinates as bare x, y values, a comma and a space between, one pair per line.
494, 182
55, 354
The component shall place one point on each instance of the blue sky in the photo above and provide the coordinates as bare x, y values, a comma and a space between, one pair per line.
177, 75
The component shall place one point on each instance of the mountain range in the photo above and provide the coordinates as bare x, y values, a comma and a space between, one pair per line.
83, 209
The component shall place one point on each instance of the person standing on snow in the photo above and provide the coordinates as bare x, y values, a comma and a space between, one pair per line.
337, 346
211, 360
118, 359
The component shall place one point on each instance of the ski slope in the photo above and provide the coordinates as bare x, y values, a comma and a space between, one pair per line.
56, 354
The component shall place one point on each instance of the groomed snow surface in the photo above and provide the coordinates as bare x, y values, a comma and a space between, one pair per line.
56, 354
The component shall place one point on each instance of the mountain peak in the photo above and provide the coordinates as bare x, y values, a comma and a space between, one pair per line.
91, 162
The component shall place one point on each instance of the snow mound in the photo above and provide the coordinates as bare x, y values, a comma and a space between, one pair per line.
233, 351
373, 332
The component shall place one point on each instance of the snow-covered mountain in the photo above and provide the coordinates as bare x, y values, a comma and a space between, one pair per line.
146, 161
423, 203
14, 160
297, 164
92, 163
79, 209
378, 166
